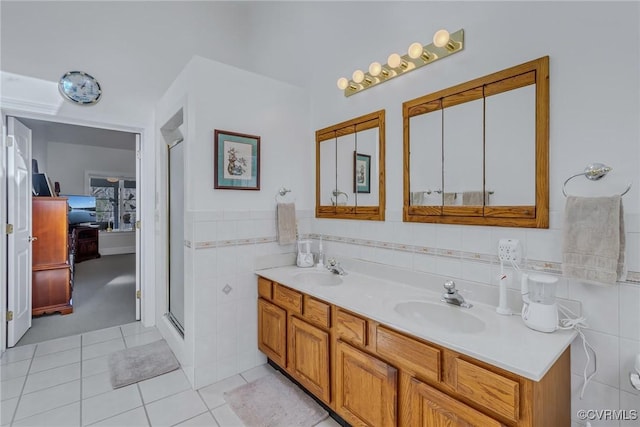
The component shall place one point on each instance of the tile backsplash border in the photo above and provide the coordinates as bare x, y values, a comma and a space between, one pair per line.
551, 267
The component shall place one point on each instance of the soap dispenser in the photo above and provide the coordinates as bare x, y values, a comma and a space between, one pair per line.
320, 265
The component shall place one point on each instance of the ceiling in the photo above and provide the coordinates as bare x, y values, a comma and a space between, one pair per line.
82, 135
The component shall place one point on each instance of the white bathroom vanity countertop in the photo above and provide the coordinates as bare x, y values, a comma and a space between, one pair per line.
505, 341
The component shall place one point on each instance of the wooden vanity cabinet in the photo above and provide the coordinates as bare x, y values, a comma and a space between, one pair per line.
366, 388
308, 357
272, 331
373, 375
299, 343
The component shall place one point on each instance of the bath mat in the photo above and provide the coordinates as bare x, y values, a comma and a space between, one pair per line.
274, 401
141, 363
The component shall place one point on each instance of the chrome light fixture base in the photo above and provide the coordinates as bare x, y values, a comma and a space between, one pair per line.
430, 54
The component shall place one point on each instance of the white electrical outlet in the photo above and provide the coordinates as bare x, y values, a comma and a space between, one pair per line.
510, 250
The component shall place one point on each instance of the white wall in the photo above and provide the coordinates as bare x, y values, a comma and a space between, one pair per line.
68, 163
594, 118
226, 229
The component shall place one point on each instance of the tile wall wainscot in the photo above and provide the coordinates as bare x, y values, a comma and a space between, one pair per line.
221, 249
470, 253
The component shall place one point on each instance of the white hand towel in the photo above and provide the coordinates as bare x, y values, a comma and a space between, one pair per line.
286, 223
594, 239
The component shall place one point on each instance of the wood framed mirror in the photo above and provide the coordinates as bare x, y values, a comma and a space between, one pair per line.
350, 169
478, 153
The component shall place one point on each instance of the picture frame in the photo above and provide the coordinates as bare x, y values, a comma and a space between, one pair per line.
361, 173
236, 161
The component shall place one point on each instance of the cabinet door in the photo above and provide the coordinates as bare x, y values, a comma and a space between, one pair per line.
366, 388
272, 331
430, 407
308, 354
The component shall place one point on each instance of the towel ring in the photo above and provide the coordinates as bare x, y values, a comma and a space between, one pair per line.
594, 172
337, 193
282, 192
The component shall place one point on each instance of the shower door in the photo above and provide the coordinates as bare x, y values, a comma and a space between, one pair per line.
176, 235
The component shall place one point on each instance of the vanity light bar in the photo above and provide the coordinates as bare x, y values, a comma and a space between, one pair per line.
444, 44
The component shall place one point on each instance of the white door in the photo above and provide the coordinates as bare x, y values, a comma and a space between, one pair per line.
19, 242
137, 226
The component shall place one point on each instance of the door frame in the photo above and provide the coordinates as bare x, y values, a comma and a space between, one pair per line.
146, 169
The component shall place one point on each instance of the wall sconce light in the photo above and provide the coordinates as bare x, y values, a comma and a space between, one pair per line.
444, 44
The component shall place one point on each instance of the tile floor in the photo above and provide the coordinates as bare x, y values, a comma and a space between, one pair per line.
65, 382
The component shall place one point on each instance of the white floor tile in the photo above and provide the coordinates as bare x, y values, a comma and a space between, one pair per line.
7, 408
257, 372
64, 416
55, 360
11, 388
14, 370
47, 399
142, 339
96, 384
175, 409
95, 366
94, 337
204, 420
17, 354
135, 328
102, 349
226, 417
134, 418
213, 395
52, 377
164, 385
109, 404
60, 344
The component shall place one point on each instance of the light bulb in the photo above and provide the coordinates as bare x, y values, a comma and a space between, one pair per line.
394, 60
343, 83
358, 76
415, 50
441, 38
375, 68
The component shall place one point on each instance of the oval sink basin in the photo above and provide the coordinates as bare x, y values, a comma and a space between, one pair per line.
451, 318
318, 278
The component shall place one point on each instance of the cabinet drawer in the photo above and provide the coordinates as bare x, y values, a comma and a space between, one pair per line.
414, 355
492, 390
317, 312
351, 327
287, 298
265, 288
431, 407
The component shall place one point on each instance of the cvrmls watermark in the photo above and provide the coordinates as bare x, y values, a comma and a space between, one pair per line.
608, 414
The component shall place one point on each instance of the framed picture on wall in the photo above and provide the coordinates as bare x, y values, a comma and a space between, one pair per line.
361, 173
236, 161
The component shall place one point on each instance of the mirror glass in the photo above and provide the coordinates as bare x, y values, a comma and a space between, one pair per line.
344, 164
478, 152
328, 171
350, 169
462, 165
365, 167
426, 159
510, 129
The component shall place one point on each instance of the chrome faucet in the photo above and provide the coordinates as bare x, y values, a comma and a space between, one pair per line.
335, 267
451, 295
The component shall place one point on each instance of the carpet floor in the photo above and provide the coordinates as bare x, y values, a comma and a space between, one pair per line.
103, 296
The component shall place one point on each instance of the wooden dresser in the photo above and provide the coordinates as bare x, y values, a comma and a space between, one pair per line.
51, 282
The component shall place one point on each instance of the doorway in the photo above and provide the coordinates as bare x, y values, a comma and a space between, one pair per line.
76, 161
